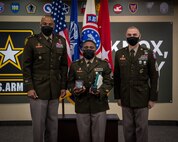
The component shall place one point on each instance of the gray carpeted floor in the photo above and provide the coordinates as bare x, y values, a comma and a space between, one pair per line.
24, 134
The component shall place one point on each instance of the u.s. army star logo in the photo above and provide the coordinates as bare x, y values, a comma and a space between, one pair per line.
9, 54
11, 48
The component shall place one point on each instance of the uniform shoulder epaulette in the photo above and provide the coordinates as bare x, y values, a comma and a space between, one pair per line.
123, 49
99, 59
76, 60
105, 61
144, 48
29, 37
102, 60
59, 36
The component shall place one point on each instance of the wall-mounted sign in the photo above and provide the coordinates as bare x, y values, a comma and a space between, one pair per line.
133, 7
15, 7
11, 49
31, 8
47, 7
1, 7
117, 8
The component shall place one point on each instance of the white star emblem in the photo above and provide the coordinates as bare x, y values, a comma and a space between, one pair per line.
9, 54
104, 54
66, 8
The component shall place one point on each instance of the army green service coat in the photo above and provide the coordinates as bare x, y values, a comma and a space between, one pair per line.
45, 66
135, 83
86, 102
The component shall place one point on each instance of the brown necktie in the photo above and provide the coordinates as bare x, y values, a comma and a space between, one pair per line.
49, 41
132, 55
88, 64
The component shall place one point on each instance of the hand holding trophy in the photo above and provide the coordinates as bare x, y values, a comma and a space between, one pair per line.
79, 87
94, 88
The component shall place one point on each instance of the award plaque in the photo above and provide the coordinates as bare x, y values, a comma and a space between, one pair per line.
79, 84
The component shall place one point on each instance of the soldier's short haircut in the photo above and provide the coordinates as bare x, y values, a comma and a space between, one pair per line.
133, 27
88, 40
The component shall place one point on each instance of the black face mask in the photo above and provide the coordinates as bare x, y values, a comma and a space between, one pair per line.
88, 54
46, 30
132, 40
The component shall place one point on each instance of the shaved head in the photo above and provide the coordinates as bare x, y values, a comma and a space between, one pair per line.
47, 20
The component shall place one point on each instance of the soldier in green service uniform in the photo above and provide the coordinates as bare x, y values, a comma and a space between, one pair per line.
90, 82
135, 86
45, 76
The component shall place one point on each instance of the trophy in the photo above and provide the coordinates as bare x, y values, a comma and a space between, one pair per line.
79, 84
94, 86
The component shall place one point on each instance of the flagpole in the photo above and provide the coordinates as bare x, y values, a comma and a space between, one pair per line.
63, 109
61, 29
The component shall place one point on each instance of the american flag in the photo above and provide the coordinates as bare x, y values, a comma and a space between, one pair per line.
58, 14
